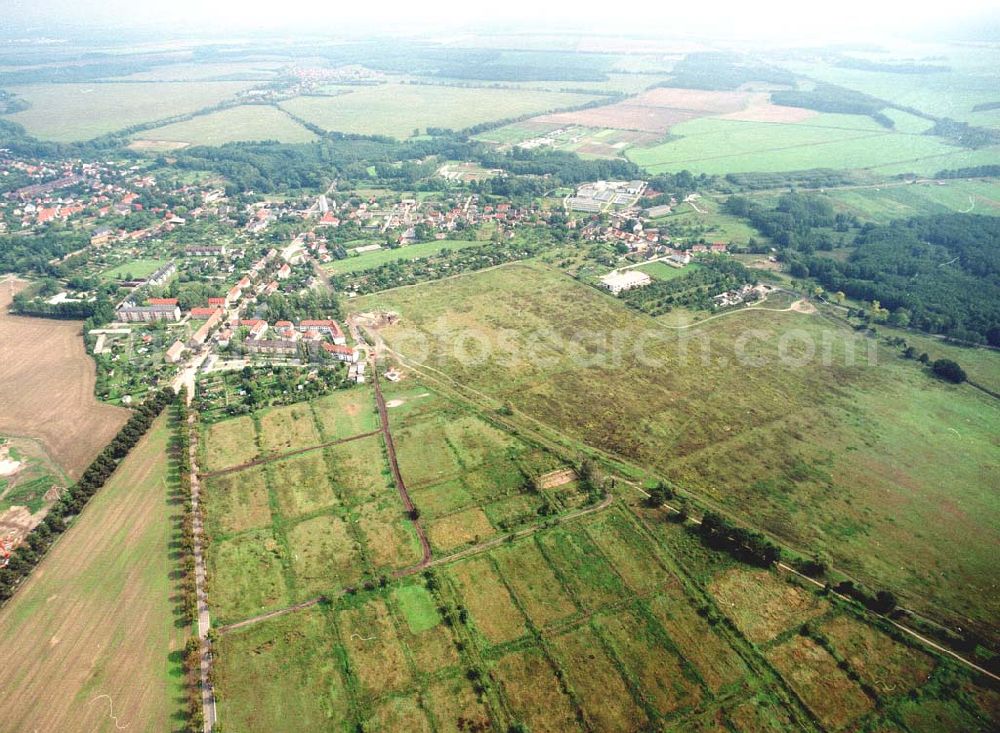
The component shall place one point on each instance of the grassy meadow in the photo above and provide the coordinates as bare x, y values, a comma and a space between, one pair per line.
376, 258
69, 112
398, 109
783, 419
247, 123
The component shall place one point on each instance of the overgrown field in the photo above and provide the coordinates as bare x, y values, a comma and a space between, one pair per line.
96, 625
67, 112
785, 420
399, 109
47, 389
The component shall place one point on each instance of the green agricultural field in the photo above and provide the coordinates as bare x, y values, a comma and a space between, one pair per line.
371, 260
896, 445
68, 112
398, 109
252, 122
346, 413
133, 269
719, 146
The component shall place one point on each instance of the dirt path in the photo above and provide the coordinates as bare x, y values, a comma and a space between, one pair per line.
279, 456
204, 620
390, 448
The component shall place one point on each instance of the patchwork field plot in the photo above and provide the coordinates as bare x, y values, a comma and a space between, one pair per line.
229, 443
47, 357
67, 112
311, 693
97, 619
344, 414
398, 109
287, 428
252, 122
866, 489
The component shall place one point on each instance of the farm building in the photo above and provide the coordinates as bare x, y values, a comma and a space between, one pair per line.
618, 282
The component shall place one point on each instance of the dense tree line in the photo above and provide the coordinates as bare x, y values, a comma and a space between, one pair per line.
718, 71
75, 498
798, 221
964, 134
296, 306
979, 171
23, 253
836, 99
99, 310
693, 290
943, 272
743, 544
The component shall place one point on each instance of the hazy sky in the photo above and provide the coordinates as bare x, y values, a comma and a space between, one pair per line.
841, 19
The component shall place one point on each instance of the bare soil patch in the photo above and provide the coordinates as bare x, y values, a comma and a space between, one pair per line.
47, 388
694, 99
624, 116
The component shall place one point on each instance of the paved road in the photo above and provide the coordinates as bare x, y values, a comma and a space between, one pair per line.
204, 620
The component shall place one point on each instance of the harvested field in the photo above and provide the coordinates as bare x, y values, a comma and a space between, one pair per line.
534, 693
761, 604
537, 588
656, 669
455, 706
464, 527
235, 502
288, 428
490, 605
229, 443
260, 690
47, 389
605, 699
97, 617
373, 648
696, 99
623, 116
826, 689
884, 663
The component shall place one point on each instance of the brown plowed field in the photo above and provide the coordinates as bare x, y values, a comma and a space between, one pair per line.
47, 388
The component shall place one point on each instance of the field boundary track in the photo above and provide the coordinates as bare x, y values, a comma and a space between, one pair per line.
201, 595
390, 448
279, 456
